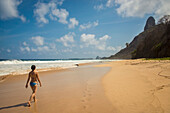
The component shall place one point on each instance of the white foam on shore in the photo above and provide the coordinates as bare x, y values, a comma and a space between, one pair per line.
17, 67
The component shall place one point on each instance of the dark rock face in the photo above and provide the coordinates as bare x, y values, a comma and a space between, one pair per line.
97, 57
149, 23
156, 44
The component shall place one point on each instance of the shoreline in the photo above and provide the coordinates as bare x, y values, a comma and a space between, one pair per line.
4, 77
75, 90
19, 67
49, 70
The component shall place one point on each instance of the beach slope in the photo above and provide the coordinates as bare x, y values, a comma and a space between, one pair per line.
138, 86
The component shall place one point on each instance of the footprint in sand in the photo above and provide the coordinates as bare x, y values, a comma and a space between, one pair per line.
86, 95
160, 87
84, 106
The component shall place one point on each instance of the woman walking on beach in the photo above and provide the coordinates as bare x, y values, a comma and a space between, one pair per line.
34, 77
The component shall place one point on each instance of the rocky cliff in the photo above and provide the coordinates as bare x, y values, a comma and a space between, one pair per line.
153, 42
156, 43
149, 23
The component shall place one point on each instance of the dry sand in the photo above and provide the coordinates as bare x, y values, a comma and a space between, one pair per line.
139, 86
131, 86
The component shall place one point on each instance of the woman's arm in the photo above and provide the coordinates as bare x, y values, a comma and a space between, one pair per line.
39, 79
27, 80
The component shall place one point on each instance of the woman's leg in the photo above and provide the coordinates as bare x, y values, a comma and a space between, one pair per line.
34, 89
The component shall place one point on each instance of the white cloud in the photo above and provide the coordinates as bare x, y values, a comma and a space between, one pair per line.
73, 23
89, 25
90, 40
102, 42
109, 3
38, 40
52, 46
43, 10
22, 49
25, 44
34, 50
40, 49
139, 8
104, 38
67, 50
164, 8
22, 18
25, 49
40, 46
8, 9
8, 50
52, 17
99, 7
59, 2
44, 48
110, 48
62, 14
67, 40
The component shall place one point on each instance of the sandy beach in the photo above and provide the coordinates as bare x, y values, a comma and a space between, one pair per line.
138, 86
129, 86
77, 90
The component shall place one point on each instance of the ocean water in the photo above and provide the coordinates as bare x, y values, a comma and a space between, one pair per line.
17, 67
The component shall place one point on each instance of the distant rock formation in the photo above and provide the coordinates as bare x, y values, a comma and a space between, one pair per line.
149, 23
97, 57
154, 42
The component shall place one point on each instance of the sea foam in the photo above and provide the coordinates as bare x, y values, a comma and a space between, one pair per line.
17, 67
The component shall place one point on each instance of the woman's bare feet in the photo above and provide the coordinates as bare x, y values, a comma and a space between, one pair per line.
29, 104
35, 100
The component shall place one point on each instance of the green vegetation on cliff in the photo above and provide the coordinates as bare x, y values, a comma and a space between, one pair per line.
166, 58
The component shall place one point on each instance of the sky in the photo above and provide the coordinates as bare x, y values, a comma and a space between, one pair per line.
61, 29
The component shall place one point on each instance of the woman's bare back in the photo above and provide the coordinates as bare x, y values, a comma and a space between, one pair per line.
33, 76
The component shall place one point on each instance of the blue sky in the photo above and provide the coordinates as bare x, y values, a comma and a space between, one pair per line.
32, 29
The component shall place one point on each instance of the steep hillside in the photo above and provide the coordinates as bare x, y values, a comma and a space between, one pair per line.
153, 42
126, 53
156, 43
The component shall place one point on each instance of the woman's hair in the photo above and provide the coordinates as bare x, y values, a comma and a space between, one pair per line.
33, 67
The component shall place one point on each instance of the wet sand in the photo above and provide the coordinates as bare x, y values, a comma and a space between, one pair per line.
77, 90
130, 86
